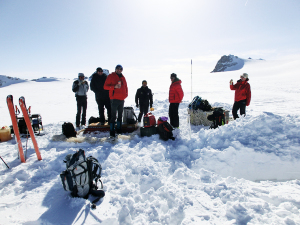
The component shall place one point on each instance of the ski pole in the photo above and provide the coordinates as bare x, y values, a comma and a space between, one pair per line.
4, 162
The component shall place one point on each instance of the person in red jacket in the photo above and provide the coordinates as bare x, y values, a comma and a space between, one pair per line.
175, 97
118, 91
242, 95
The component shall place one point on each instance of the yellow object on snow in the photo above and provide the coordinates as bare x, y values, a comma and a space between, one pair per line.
5, 134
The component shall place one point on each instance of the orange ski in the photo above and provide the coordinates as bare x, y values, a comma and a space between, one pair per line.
13, 117
29, 126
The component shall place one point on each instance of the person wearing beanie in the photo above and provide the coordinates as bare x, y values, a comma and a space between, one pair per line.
80, 87
101, 95
242, 96
143, 98
175, 97
117, 86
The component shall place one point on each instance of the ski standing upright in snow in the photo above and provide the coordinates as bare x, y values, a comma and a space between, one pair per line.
10, 105
29, 126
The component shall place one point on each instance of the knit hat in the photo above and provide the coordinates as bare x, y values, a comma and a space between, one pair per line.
80, 75
144, 81
174, 75
119, 67
244, 75
99, 69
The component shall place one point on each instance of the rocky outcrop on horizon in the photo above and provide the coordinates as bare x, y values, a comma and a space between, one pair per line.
228, 63
7, 80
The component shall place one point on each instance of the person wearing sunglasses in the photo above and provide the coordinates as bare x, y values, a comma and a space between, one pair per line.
118, 92
175, 97
242, 96
143, 98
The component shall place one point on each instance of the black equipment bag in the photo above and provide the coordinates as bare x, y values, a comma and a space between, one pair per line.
165, 131
218, 117
148, 131
68, 130
94, 120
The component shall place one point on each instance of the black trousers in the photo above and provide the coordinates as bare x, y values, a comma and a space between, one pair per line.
116, 106
81, 104
101, 104
173, 114
240, 105
143, 111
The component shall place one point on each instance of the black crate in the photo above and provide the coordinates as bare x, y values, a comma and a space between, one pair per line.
148, 131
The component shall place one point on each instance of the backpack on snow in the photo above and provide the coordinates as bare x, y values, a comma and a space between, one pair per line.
218, 117
68, 130
82, 175
204, 105
94, 120
195, 103
129, 116
165, 131
76, 87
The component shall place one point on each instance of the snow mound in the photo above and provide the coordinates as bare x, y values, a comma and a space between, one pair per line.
6, 80
45, 79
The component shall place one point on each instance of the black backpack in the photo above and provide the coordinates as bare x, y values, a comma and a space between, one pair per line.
204, 105
94, 120
68, 130
165, 131
82, 175
218, 117
76, 87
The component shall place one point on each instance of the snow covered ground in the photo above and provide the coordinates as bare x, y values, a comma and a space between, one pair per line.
246, 172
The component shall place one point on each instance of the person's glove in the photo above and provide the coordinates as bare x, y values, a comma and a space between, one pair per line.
151, 109
137, 105
231, 82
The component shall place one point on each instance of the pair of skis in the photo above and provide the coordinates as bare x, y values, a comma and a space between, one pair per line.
14, 121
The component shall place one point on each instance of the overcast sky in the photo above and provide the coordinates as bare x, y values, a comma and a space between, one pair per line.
62, 38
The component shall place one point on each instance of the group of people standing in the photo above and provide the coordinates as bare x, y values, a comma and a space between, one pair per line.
111, 91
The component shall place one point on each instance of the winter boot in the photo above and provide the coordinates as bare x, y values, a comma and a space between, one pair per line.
112, 130
119, 127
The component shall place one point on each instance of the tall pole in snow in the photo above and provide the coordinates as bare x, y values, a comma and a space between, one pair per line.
191, 80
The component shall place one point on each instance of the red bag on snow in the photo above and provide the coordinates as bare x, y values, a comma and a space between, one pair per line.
149, 120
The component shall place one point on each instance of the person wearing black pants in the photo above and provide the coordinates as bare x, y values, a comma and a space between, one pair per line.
80, 87
173, 113
81, 103
117, 108
240, 105
175, 97
143, 98
118, 92
242, 95
101, 95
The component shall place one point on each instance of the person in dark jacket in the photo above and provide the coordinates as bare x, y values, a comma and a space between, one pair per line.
175, 97
143, 98
101, 95
242, 96
118, 91
80, 87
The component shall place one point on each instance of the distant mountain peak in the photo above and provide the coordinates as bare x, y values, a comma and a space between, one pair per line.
229, 63
7, 80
